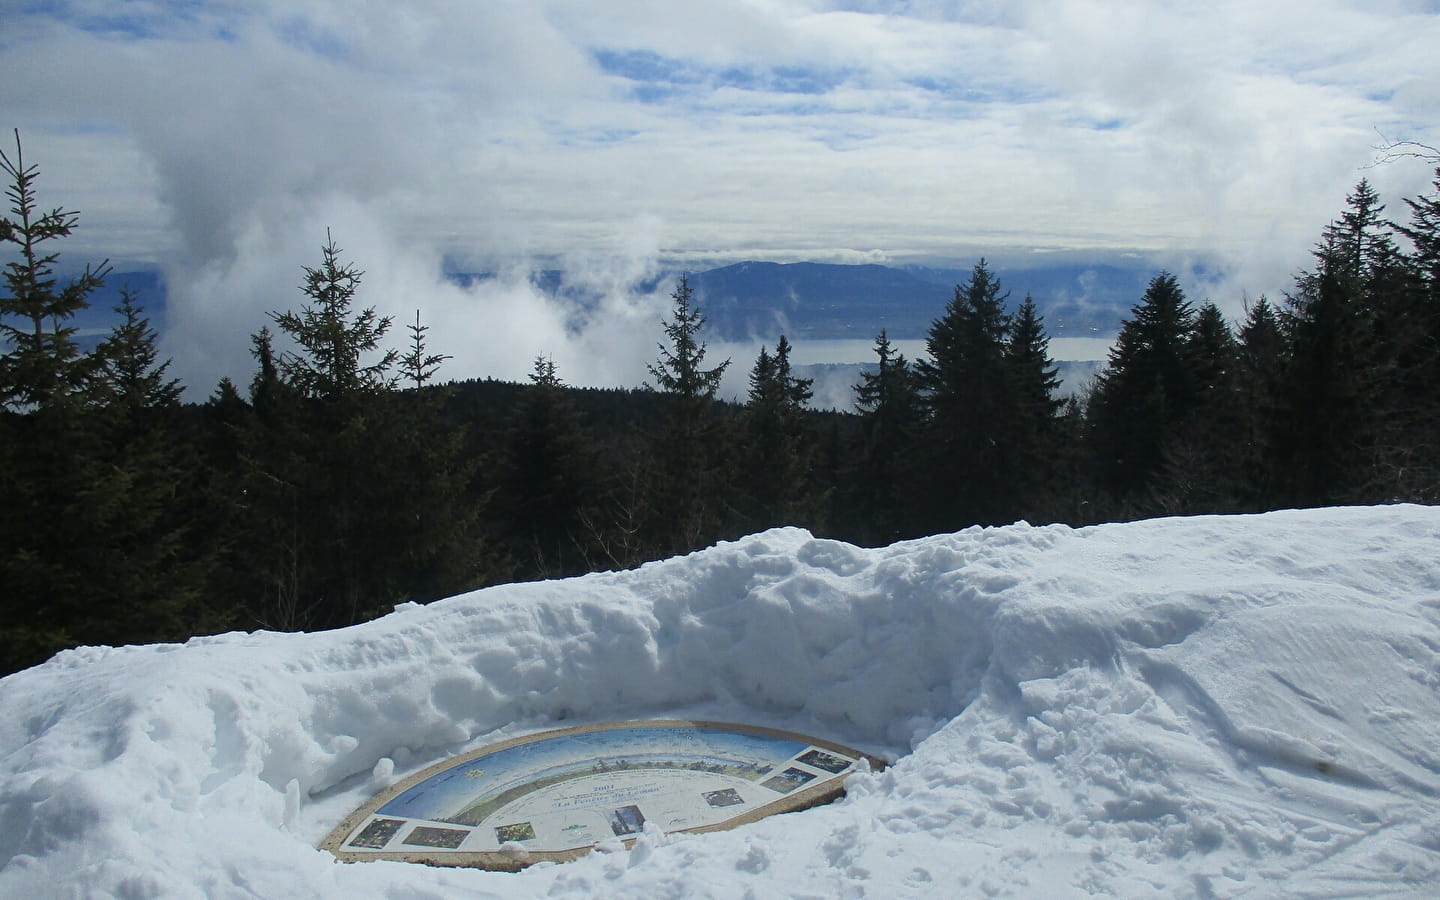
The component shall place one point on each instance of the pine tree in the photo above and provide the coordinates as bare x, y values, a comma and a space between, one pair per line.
419, 365
780, 448
1214, 354
344, 467
273, 554
94, 546
1142, 398
1322, 440
42, 366
355, 496
796, 391
551, 487
267, 389
1358, 246
1411, 451
1204, 457
1423, 231
49, 455
1032, 466
130, 374
436, 493
889, 404
156, 561
681, 369
691, 505
333, 340
968, 387
1260, 363
1338, 389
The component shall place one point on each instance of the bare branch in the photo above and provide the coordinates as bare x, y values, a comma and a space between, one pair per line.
1389, 150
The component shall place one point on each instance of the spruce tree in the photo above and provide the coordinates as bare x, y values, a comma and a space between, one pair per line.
889, 404
1423, 231
443, 487
1323, 439
681, 370
93, 540
1260, 363
156, 560
1214, 354
334, 341
691, 505
1204, 466
129, 374
345, 468
1338, 389
49, 455
551, 487
779, 447
42, 366
1032, 466
968, 383
1410, 452
1141, 399
273, 555
358, 497
418, 366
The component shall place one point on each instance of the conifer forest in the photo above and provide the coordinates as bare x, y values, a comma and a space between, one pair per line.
348, 474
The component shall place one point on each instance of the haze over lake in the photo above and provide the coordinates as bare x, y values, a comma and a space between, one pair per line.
837, 364
848, 350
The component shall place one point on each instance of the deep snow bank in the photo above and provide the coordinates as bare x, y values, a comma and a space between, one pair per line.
1207, 706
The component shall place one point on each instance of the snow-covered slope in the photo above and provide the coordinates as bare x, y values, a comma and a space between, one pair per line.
1183, 707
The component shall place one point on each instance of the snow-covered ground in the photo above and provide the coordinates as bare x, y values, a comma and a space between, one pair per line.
1182, 707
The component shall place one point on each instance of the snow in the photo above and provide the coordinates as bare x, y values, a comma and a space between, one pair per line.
1215, 706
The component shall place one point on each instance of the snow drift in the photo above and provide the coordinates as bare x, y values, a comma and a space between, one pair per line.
1213, 706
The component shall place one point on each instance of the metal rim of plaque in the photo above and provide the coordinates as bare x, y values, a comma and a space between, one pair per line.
555, 795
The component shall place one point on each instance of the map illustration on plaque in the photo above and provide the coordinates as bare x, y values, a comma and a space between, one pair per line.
555, 795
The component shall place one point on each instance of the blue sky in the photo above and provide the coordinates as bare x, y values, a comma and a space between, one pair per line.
218, 140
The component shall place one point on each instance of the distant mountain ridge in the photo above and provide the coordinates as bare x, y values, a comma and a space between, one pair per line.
805, 300
816, 300
828, 301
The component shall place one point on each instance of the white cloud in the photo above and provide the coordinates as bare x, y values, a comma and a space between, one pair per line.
492, 328
221, 140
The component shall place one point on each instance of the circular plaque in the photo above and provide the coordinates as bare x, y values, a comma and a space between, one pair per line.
557, 794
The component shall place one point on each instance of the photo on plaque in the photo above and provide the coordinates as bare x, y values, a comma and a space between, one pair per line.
627, 820
520, 831
377, 834
724, 797
822, 760
788, 780
448, 838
